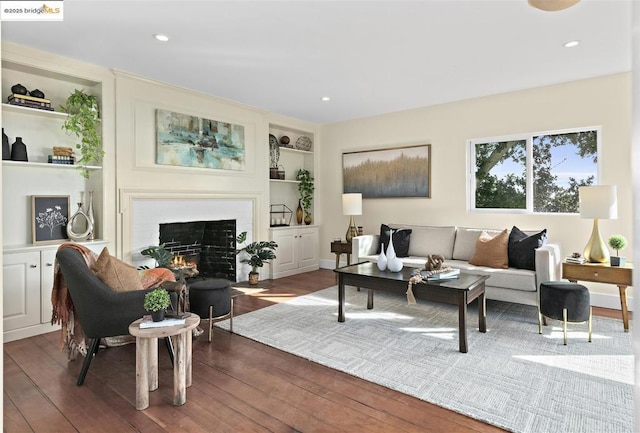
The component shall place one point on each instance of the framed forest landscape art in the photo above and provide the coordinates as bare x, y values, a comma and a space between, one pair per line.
192, 141
49, 218
395, 172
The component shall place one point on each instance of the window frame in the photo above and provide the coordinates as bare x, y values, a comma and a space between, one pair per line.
528, 139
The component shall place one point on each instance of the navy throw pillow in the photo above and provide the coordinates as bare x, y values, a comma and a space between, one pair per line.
401, 239
522, 248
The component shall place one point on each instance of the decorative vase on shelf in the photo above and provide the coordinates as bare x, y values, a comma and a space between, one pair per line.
299, 213
19, 89
394, 264
79, 227
36, 93
90, 217
307, 219
6, 149
382, 259
19, 150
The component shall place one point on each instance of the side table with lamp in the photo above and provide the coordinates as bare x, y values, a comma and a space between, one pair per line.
600, 202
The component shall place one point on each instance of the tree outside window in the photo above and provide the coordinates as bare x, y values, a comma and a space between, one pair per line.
535, 173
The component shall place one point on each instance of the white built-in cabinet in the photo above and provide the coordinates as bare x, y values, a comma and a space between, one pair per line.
28, 267
297, 250
298, 244
27, 281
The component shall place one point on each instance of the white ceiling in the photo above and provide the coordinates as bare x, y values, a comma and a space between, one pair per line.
370, 57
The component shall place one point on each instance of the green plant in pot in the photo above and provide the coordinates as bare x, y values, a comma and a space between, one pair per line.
618, 242
83, 120
258, 253
305, 188
159, 254
156, 302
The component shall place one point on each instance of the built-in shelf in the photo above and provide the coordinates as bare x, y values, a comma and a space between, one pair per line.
46, 164
34, 112
283, 181
52, 245
289, 149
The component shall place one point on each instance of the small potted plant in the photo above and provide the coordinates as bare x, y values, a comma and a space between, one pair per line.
84, 122
258, 253
305, 188
618, 242
156, 302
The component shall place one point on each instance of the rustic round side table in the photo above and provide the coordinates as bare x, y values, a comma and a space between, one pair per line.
147, 359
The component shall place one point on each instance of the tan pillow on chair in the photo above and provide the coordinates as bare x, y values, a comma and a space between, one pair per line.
118, 275
492, 251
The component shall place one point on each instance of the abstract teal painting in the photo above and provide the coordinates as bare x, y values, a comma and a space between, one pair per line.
192, 141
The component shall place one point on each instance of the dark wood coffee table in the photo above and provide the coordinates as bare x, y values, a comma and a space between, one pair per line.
461, 291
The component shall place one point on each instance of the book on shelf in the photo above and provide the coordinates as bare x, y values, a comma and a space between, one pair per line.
28, 98
148, 323
449, 274
31, 104
578, 260
58, 159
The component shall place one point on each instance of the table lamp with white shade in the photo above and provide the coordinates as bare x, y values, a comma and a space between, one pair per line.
597, 202
352, 205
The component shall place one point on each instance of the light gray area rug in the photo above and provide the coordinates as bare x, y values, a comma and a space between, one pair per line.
512, 376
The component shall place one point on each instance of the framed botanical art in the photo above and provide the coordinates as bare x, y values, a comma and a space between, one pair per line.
49, 217
394, 172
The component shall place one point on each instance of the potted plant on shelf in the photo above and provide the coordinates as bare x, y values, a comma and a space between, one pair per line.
258, 253
618, 242
156, 302
305, 188
84, 121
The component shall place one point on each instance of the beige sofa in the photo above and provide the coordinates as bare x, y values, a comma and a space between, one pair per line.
457, 245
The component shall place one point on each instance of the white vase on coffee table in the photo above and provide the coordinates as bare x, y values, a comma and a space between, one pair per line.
394, 264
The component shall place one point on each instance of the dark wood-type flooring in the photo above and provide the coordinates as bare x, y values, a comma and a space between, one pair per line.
238, 386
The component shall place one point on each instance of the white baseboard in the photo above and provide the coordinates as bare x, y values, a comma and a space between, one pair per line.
609, 301
602, 300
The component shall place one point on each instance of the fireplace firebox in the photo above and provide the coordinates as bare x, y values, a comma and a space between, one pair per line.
205, 249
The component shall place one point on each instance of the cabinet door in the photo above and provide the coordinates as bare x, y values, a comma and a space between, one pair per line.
21, 289
286, 258
307, 247
47, 258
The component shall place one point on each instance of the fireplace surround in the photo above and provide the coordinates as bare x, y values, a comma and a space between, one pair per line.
147, 211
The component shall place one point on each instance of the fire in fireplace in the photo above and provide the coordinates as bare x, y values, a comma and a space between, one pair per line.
202, 248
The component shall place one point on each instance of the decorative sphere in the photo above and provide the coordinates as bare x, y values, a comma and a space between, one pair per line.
284, 140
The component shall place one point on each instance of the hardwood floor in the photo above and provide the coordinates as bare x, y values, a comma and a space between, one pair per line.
238, 386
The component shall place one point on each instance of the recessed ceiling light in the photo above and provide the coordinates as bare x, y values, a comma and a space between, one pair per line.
161, 37
326, 98
571, 44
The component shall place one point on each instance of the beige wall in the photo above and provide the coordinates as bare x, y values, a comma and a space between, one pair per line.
604, 101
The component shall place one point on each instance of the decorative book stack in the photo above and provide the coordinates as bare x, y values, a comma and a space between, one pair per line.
62, 155
30, 102
61, 159
148, 323
578, 260
446, 274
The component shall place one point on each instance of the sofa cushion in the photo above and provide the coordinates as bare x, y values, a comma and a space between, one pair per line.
116, 274
427, 240
516, 279
522, 248
401, 240
465, 241
491, 251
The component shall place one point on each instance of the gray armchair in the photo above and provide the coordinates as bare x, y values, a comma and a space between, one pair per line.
101, 311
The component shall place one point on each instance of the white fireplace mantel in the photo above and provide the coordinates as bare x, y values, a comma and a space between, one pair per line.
142, 212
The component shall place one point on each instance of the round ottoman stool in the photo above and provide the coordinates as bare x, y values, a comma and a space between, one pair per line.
211, 299
562, 300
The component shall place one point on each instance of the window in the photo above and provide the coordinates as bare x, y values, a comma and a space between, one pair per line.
538, 172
